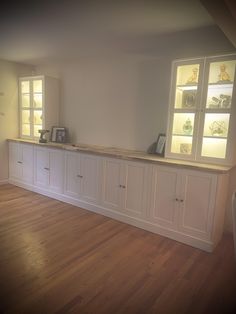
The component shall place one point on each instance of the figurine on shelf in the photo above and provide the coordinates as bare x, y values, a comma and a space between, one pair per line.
42, 138
193, 79
218, 128
187, 127
223, 77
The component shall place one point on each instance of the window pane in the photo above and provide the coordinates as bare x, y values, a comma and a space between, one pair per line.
38, 117
25, 86
212, 147
222, 72
183, 123
36, 128
37, 86
38, 100
25, 101
25, 116
26, 129
181, 145
216, 124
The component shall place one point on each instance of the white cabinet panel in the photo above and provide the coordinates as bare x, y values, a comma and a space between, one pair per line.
164, 194
135, 188
21, 158
199, 192
184, 200
72, 170
125, 186
112, 187
49, 169
83, 176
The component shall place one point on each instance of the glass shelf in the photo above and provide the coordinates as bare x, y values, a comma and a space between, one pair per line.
214, 148
181, 144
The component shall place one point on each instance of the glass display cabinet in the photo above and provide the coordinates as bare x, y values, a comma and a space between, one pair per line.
39, 101
200, 124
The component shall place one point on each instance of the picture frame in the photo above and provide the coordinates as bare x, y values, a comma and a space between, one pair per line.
58, 134
189, 99
160, 144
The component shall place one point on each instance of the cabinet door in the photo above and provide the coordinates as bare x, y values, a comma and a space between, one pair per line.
134, 186
90, 166
216, 136
197, 203
111, 188
27, 153
186, 89
56, 170
15, 162
42, 167
164, 197
72, 174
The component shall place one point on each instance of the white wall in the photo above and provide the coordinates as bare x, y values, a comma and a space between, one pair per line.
118, 101
9, 73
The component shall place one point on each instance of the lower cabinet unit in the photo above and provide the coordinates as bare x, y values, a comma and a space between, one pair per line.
125, 186
49, 169
189, 202
83, 176
21, 162
172, 200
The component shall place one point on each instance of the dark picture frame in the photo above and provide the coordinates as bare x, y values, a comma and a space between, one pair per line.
160, 144
58, 134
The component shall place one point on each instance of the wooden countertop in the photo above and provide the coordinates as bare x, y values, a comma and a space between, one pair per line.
129, 155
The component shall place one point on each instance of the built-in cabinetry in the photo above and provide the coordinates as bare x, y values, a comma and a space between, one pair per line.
185, 200
49, 169
125, 186
21, 162
39, 102
202, 110
83, 176
184, 204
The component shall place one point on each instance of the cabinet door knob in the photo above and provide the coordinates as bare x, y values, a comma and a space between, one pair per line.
19, 162
79, 176
181, 201
177, 199
46, 168
123, 186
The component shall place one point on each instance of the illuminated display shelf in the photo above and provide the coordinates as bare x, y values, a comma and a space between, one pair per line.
38, 103
201, 110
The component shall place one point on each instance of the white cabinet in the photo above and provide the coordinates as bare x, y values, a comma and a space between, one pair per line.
201, 111
186, 201
83, 176
125, 186
185, 205
21, 158
39, 101
49, 169
164, 191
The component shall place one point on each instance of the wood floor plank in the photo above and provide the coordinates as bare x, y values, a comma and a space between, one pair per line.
58, 258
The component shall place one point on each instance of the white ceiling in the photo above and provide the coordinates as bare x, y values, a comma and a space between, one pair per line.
39, 32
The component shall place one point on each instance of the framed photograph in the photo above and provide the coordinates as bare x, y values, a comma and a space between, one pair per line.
160, 147
58, 134
189, 99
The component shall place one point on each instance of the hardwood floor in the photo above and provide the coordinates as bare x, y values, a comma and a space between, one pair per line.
57, 258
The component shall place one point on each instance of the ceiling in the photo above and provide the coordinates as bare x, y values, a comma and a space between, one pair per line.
40, 32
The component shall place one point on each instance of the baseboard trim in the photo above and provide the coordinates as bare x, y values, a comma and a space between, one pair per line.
5, 181
204, 245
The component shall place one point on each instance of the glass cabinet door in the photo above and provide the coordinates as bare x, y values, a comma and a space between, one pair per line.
31, 107
185, 103
217, 108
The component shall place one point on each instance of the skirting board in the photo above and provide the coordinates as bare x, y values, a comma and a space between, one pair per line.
137, 222
3, 182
